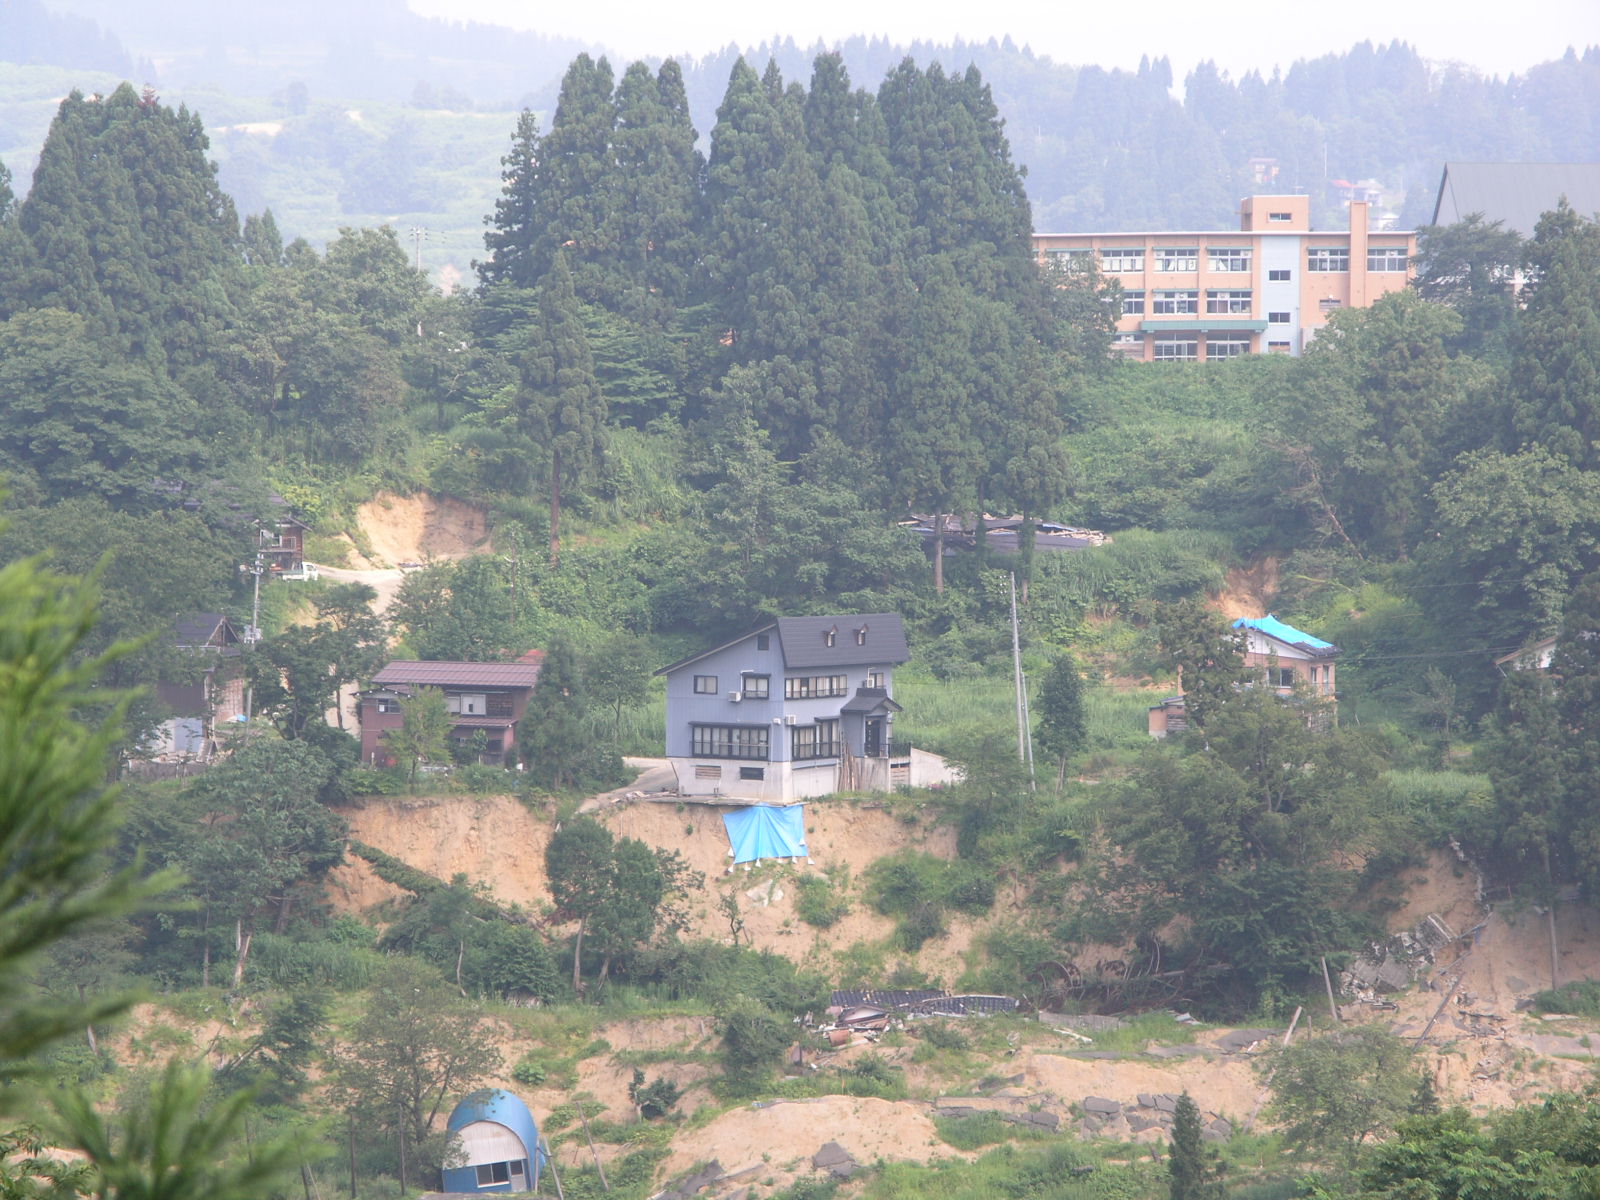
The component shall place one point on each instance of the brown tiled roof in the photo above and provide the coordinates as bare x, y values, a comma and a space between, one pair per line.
458, 674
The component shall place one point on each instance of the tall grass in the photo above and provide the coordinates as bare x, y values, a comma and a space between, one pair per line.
942, 714
1140, 564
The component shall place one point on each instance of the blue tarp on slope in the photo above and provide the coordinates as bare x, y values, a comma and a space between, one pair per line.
762, 831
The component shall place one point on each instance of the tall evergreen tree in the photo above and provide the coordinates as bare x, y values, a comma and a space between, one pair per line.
1555, 376
1193, 1172
130, 228
577, 183
561, 405
939, 449
514, 226
658, 180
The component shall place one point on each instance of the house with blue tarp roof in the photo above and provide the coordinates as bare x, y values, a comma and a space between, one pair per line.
499, 1143
1283, 656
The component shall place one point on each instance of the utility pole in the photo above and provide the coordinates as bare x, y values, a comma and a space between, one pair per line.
417, 234
252, 635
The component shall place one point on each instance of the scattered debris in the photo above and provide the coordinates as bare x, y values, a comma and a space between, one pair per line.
836, 1160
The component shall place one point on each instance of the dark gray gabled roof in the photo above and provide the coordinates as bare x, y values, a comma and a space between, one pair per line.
206, 631
806, 643
868, 701
1515, 194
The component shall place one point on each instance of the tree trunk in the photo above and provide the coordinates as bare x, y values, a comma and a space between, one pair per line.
938, 554
241, 942
577, 959
286, 904
555, 506
605, 969
205, 956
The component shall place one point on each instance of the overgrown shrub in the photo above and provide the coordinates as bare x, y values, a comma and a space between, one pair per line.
753, 1039
918, 888
1580, 998
819, 902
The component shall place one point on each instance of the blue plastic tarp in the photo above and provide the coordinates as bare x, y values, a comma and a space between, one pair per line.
762, 831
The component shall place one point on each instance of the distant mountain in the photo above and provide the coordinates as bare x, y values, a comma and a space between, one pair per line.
362, 112
358, 49
32, 35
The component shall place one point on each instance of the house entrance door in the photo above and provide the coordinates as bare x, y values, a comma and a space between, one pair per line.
872, 744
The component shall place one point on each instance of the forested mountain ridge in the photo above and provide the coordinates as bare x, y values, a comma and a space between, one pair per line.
343, 133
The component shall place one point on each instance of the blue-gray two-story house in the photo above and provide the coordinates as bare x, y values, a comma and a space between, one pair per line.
802, 706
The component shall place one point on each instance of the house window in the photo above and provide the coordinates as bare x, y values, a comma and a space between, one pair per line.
1182, 258
1386, 258
752, 772
829, 636
1175, 347
705, 685
498, 705
861, 636
814, 741
874, 679
1277, 347
1222, 303
1282, 677
1174, 303
1277, 318
809, 687
1130, 345
493, 1173
763, 641
1280, 276
1133, 303
1220, 346
1329, 304
757, 687
1328, 258
1122, 259
702, 771
387, 704
729, 741
1228, 258
1280, 216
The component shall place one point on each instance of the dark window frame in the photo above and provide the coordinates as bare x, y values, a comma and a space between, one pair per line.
705, 685
750, 742
815, 687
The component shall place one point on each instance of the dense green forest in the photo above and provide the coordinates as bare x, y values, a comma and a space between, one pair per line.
693, 390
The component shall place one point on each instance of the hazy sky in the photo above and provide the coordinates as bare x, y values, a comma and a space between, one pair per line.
1496, 38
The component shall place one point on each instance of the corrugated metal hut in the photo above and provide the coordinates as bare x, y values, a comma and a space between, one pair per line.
499, 1143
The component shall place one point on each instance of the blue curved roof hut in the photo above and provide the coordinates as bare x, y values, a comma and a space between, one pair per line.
500, 1142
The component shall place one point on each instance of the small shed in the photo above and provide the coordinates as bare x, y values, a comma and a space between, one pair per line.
500, 1148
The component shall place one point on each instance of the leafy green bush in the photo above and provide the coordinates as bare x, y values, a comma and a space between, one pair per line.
654, 1099
1581, 998
753, 1039
707, 971
918, 888
818, 901
530, 1070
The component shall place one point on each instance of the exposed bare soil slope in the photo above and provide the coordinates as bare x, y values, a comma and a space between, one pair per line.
1481, 1048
